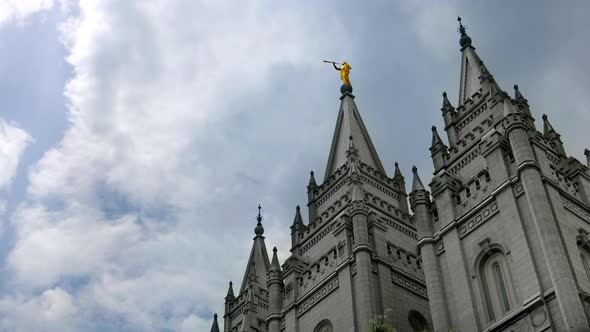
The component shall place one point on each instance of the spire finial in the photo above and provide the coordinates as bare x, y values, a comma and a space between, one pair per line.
259, 218
259, 230
465, 40
462, 28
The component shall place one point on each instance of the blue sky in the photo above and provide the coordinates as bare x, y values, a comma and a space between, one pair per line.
138, 138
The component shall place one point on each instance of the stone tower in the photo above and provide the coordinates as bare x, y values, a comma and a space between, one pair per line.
356, 257
249, 310
503, 234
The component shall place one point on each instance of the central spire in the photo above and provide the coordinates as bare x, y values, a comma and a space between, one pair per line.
350, 128
475, 77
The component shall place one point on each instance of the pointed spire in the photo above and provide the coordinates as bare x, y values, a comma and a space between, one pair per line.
437, 142
298, 220
258, 262
475, 76
259, 230
547, 127
551, 134
416, 183
274, 265
518, 96
215, 326
230, 291
350, 124
312, 183
465, 40
397, 174
446, 103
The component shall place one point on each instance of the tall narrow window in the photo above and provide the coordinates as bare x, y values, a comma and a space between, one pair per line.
585, 261
497, 287
501, 285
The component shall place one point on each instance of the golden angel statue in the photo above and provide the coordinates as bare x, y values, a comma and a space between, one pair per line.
344, 71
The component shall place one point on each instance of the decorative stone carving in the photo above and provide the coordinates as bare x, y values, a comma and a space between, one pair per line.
484, 215
317, 296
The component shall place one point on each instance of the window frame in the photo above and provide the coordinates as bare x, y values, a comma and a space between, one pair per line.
496, 283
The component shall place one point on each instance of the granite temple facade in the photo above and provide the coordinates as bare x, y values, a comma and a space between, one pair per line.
499, 242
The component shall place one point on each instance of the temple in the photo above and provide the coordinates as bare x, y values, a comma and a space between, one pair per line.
498, 241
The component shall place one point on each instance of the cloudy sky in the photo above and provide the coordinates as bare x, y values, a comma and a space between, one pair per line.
138, 137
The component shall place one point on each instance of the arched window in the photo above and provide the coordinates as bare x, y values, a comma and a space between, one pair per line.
417, 321
324, 326
496, 285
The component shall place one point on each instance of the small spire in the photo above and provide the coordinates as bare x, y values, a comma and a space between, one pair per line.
250, 295
397, 174
446, 103
547, 127
312, 182
352, 151
274, 265
252, 277
518, 96
298, 220
259, 230
465, 39
436, 140
551, 134
416, 183
215, 326
230, 291
587, 153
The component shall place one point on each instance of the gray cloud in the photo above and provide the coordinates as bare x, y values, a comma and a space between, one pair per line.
185, 115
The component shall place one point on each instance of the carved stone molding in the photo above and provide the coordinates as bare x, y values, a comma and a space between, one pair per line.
317, 296
575, 209
409, 284
481, 217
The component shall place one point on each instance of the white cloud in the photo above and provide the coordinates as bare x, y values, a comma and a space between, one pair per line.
13, 141
122, 208
52, 310
18, 10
